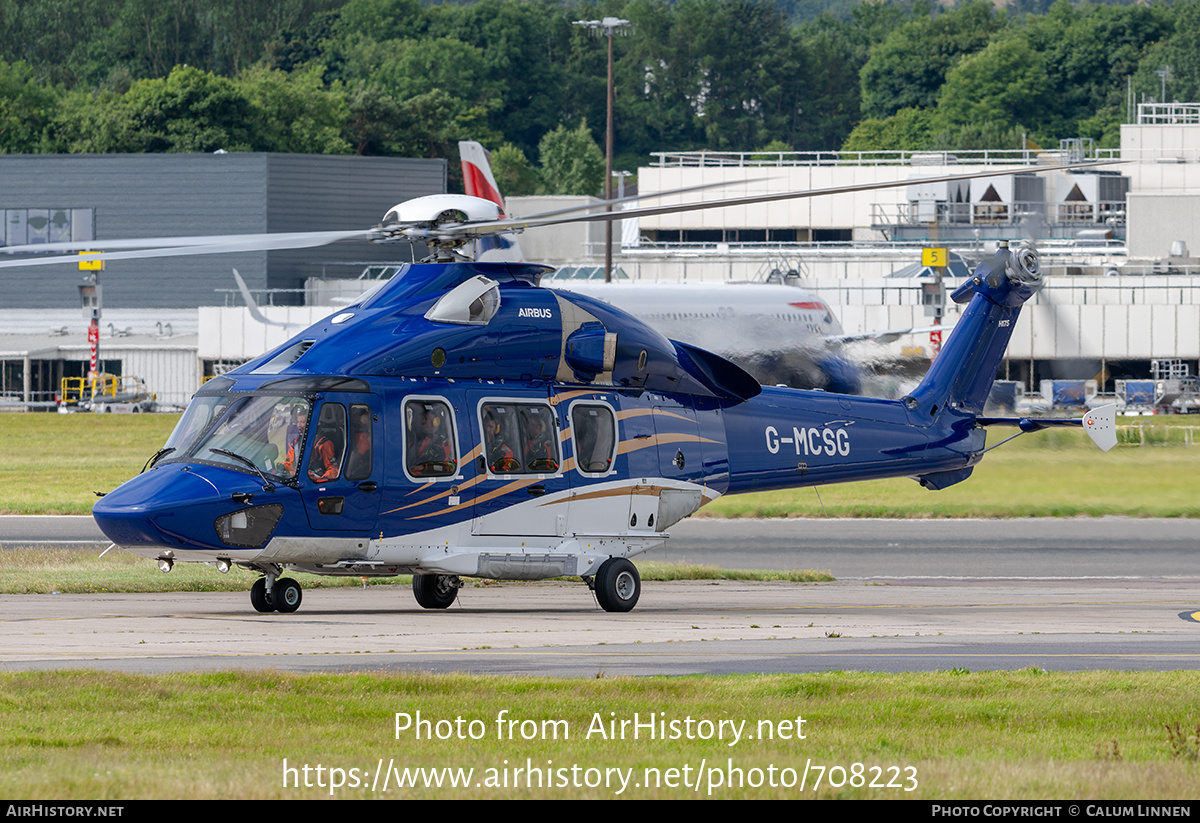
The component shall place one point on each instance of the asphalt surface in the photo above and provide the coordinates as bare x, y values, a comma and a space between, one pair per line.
1072, 594
1026, 547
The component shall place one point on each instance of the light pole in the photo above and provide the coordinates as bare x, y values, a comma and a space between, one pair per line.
608, 27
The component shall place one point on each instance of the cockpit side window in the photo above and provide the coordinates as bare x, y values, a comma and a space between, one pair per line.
360, 447
329, 444
429, 439
594, 430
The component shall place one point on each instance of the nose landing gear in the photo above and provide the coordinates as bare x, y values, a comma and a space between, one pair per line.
269, 594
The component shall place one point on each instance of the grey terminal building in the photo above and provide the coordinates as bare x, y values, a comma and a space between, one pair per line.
55, 198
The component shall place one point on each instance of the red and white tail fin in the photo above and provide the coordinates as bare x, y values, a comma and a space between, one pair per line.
477, 173
479, 182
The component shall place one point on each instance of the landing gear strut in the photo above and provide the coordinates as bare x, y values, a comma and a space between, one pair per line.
617, 585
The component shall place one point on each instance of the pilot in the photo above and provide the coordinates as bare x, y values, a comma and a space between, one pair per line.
295, 439
500, 457
323, 465
539, 450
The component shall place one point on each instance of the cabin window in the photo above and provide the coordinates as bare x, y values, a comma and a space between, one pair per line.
429, 428
360, 446
519, 438
594, 430
329, 444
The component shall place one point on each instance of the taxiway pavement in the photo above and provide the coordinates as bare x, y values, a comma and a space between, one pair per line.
1056, 594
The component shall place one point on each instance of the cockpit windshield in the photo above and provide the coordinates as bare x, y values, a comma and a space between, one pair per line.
265, 430
200, 414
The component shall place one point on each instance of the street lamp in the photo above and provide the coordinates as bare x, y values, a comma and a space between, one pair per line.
608, 27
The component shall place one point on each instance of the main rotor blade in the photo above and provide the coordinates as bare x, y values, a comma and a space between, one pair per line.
492, 226
618, 200
181, 246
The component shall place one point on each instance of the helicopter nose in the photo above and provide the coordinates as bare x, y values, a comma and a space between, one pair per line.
153, 508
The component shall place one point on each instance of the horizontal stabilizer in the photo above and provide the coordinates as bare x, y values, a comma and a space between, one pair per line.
887, 335
1100, 424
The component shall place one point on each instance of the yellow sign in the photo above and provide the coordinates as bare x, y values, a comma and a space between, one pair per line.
90, 265
935, 257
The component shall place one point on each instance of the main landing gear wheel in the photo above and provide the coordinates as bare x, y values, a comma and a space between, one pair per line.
287, 595
258, 596
617, 585
435, 591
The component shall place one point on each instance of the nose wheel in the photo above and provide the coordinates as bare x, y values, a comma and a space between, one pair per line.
617, 585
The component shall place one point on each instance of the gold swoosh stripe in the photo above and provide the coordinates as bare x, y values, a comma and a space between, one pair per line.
623, 491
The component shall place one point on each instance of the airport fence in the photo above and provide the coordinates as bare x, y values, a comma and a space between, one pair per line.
1156, 434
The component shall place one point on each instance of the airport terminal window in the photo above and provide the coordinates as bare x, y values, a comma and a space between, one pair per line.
429, 430
519, 438
594, 430
32, 226
329, 444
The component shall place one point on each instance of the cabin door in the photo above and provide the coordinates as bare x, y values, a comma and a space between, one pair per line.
342, 471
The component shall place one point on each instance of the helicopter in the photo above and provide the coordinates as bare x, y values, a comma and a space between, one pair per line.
462, 421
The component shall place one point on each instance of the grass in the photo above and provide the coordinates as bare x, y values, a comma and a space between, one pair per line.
41, 570
958, 735
56, 462
1016, 480
1150, 473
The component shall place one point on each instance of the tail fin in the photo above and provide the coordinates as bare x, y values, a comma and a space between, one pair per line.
477, 173
962, 374
479, 182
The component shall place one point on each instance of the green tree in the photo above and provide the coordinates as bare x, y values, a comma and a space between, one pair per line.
524, 48
1005, 83
829, 103
375, 124
907, 70
382, 20
906, 130
571, 161
514, 174
26, 110
1180, 51
90, 123
295, 112
1090, 51
976, 137
188, 111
